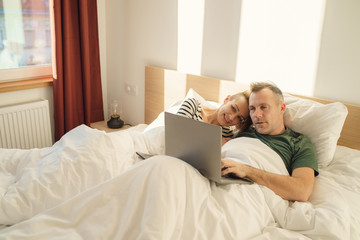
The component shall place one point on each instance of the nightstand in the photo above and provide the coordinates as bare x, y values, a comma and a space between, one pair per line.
102, 125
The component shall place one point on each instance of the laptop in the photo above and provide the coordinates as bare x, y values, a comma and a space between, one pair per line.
199, 144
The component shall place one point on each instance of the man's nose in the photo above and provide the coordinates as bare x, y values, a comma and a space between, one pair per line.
258, 113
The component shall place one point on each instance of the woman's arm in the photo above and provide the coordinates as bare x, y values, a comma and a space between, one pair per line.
190, 108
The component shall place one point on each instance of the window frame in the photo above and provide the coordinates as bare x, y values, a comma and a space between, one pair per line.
26, 84
22, 73
27, 77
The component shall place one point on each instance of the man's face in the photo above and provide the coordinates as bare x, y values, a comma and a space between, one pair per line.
266, 113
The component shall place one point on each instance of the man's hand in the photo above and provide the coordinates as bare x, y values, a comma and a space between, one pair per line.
228, 166
297, 187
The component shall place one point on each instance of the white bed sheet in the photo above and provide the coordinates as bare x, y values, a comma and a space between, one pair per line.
37, 179
90, 185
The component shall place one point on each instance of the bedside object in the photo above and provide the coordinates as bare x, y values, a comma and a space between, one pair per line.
115, 120
102, 125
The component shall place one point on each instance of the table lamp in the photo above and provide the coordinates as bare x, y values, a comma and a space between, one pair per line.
115, 121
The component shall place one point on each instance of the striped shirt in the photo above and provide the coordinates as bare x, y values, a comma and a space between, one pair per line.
191, 108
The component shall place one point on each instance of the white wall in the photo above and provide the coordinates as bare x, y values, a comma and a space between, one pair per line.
138, 33
144, 32
279, 41
101, 7
338, 75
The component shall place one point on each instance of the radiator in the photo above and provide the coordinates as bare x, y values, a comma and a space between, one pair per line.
25, 125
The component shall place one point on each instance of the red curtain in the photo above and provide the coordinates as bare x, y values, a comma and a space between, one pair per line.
77, 80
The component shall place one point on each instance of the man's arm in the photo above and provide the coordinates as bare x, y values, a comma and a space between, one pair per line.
296, 187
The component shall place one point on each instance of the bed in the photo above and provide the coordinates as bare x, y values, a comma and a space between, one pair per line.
91, 184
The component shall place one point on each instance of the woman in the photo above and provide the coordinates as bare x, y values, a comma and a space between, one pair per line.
233, 112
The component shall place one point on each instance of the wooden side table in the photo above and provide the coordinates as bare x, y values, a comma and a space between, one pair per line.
102, 125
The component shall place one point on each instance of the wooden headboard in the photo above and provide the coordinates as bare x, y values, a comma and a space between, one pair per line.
164, 87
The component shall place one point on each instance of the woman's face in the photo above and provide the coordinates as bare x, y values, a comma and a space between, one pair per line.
233, 112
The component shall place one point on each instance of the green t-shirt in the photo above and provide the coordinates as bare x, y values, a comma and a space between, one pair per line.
295, 149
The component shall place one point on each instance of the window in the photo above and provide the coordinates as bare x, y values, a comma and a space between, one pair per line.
25, 49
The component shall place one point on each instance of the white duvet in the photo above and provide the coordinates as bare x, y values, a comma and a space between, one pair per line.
90, 185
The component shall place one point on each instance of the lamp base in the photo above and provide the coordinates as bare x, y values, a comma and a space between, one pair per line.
115, 122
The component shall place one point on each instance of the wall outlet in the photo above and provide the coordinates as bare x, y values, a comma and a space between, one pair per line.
131, 89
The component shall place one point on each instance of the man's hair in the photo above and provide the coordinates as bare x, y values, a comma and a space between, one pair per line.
258, 86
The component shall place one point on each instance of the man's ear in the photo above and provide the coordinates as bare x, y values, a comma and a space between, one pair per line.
227, 98
283, 107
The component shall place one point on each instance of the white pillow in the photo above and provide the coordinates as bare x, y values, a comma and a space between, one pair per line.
321, 123
193, 94
153, 136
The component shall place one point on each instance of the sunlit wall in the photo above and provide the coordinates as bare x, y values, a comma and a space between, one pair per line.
279, 41
190, 35
252, 40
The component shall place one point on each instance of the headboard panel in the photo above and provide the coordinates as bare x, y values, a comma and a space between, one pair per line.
163, 87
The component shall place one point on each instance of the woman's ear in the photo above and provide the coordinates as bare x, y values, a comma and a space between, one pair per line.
227, 98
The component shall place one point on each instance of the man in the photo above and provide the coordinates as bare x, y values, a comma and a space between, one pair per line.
267, 107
